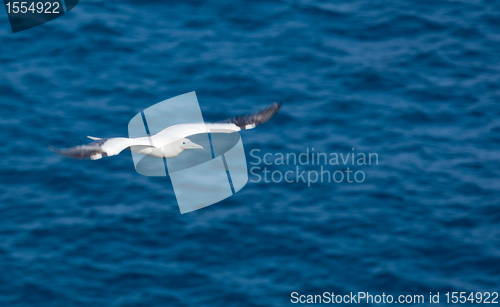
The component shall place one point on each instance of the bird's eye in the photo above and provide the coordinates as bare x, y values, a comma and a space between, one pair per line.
183, 143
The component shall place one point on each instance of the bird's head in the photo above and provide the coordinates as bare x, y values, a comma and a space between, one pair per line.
187, 144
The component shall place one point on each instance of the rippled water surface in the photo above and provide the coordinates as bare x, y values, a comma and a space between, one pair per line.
416, 82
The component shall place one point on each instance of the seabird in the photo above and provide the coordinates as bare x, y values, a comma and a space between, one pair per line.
169, 142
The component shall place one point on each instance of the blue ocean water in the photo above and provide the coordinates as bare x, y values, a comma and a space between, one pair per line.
417, 82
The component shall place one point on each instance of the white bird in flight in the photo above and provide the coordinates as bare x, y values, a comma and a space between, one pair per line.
169, 142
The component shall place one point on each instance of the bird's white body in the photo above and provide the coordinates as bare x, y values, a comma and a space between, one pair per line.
162, 152
167, 143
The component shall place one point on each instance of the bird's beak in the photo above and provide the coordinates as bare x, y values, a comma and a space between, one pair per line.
191, 145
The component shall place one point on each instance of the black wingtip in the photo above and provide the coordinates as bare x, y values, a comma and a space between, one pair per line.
251, 120
69, 153
60, 151
279, 104
270, 111
54, 149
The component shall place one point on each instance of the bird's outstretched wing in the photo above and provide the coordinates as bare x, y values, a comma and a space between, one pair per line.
249, 121
100, 148
233, 124
113, 146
